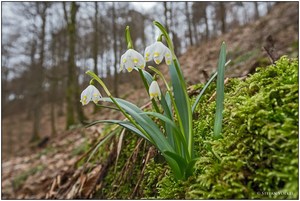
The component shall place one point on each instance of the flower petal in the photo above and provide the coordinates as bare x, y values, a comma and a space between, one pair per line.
158, 52
129, 65
123, 60
149, 53
96, 95
154, 90
168, 56
85, 96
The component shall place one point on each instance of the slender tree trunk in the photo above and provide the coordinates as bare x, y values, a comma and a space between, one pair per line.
206, 24
53, 127
40, 73
223, 17
73, 93
269, 6
166, 16
115, 50
188, 19
78, 106
71, 71
256, 15
95, 44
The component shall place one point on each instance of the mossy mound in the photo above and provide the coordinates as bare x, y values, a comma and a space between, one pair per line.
257, 157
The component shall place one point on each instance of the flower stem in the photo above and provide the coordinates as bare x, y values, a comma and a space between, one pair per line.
95, 77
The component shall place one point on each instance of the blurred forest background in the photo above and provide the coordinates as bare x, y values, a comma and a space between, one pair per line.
48, 46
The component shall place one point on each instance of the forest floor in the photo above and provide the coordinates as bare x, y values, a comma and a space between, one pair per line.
33, 172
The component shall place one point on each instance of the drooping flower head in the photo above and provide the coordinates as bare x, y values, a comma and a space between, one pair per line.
130, 59
154, 90
157, 51
90, 93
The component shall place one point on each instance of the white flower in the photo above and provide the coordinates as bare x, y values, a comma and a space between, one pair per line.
157, 51
130, 59
154, 90
90, 93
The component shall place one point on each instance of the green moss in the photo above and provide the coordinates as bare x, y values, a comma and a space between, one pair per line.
123, 175
259, 148
258, 151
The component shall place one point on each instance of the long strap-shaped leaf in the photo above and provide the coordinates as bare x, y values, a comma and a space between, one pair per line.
182, 101
220, 92
179, 138
146, 123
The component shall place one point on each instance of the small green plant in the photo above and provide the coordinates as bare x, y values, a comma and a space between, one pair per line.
172, 134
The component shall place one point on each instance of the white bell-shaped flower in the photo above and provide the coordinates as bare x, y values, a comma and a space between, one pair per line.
90, 93
154, 90
130, 59
157, 52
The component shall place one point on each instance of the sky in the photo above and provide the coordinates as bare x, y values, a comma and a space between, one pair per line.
143, 5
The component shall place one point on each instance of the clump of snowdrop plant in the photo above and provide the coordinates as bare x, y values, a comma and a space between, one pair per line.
173, 134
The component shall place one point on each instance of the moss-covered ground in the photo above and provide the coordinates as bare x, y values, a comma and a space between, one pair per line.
256, 158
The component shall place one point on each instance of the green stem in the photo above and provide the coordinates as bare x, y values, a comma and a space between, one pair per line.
168, 39
95, 77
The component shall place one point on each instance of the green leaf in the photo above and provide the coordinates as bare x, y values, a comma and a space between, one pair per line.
146, 123
189, 170
220, 92
180, 140
166, 105
181, 163
182, 102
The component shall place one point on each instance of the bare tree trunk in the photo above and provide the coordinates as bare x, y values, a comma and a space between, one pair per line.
78, 106
95, 44
256, 15
40, 73
206, 24
188, 19
115, 50
73, 95
269, 6
70, 81
166, 16
222, 17
52, 113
